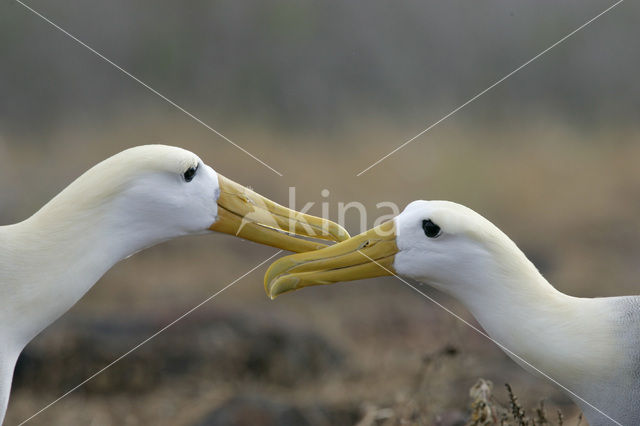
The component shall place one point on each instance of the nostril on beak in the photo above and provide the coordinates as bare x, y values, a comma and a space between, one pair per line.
364, 245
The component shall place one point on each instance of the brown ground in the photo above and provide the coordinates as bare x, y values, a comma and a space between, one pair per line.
372, 352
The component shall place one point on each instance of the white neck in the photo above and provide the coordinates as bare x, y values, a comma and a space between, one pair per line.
550, 334
554, 332
49, 261
44, 270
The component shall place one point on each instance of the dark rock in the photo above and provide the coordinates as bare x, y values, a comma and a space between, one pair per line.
215, 346
256, 410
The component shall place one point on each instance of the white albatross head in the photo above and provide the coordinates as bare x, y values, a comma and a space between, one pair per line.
440, 243
152, 193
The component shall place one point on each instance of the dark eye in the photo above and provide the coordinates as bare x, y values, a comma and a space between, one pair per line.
190, 173
431, 230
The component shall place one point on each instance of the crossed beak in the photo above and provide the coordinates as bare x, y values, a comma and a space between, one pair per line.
370, 254
248, 215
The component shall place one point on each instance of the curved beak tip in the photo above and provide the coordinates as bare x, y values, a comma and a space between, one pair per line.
367, 255
342, 234
279, 286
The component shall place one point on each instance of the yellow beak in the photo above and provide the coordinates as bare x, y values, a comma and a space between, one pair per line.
370, 254
248, 215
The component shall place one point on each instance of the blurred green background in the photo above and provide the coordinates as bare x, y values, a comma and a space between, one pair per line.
319, 91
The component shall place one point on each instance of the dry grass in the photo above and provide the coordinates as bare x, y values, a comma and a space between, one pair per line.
487, 410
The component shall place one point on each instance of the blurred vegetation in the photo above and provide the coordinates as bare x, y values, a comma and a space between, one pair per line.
319, 90
304, 64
